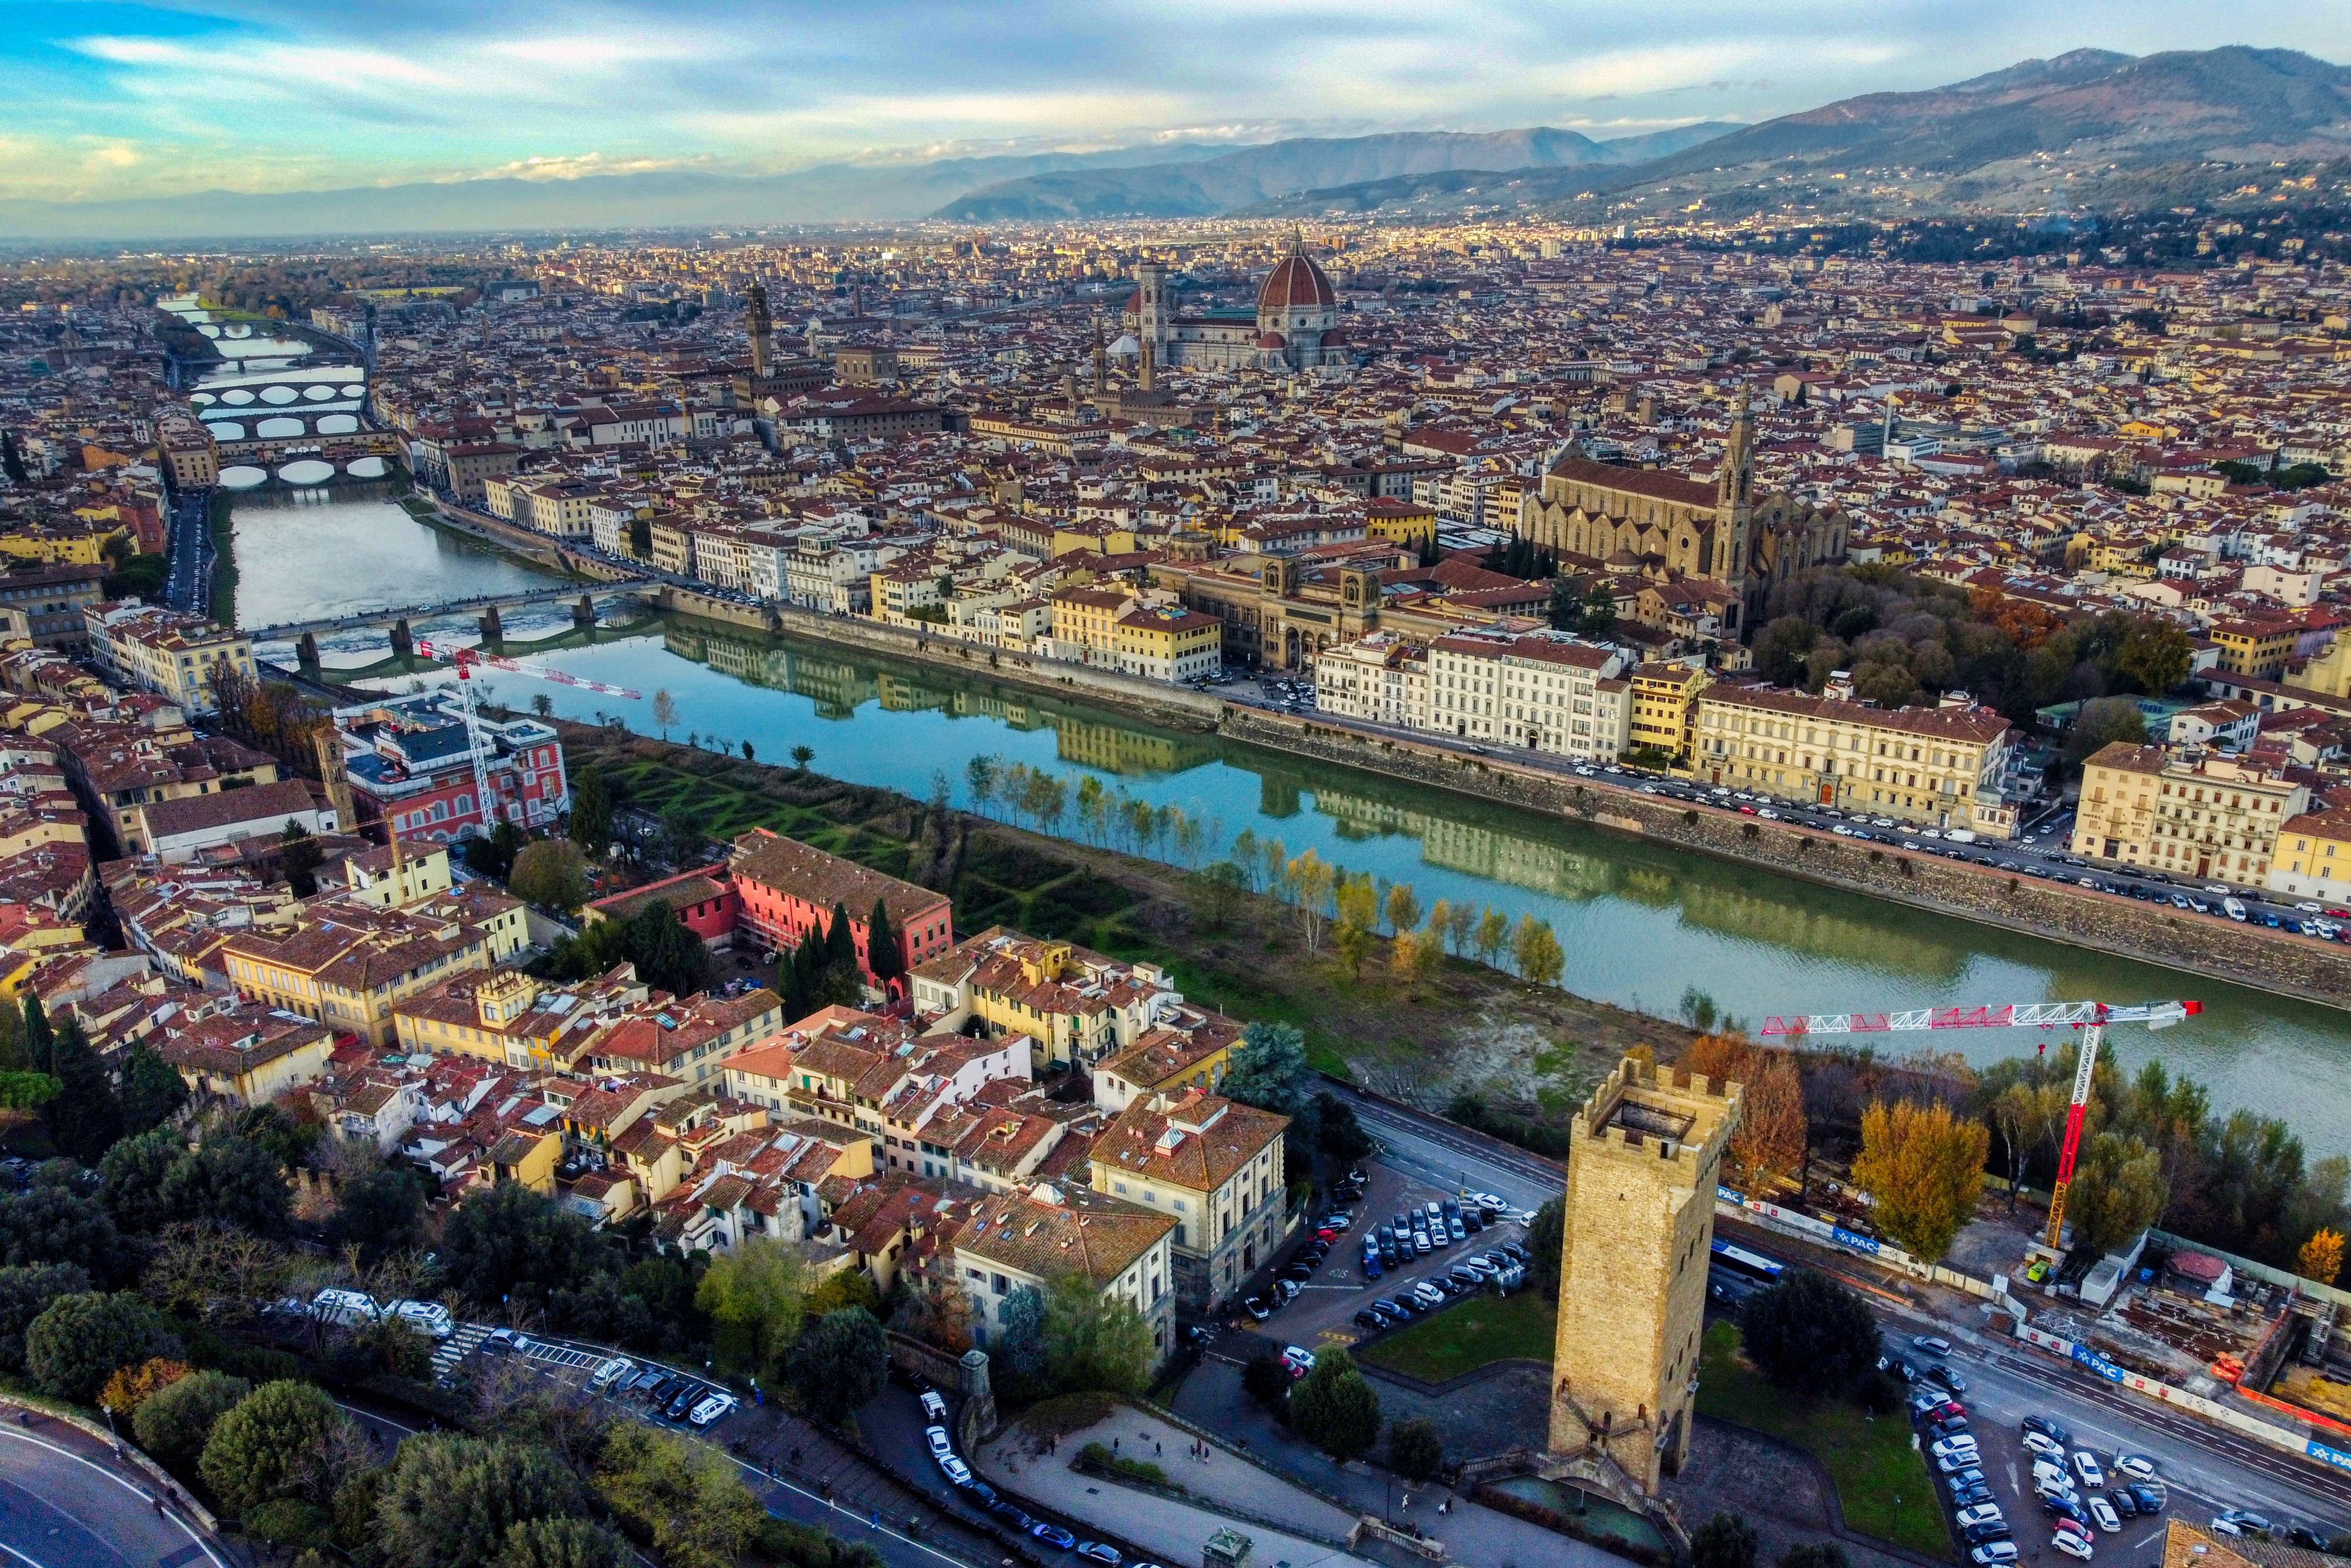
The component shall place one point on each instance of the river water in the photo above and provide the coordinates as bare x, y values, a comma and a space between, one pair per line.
1639, 921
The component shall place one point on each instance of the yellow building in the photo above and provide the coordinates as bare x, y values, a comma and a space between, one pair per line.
1665, 708
2313, 858
167, 652
348, 966
1085, 623
1401, 521
2256, 648
1642, 1162
244, 1059
1216, 1165
1941, 766
2199, 817
1168, 643
526, 1158
85, 545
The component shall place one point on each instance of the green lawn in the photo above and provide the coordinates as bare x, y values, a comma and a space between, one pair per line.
1882, 1483
1465, 1337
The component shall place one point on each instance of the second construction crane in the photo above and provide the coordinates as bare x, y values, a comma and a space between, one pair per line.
2090, 1018
466, 659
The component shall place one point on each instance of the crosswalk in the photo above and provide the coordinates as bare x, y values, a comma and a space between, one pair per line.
454, 1349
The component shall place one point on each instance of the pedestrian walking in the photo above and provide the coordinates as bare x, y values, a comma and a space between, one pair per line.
1113, 1444
1156, 1451
874, 1520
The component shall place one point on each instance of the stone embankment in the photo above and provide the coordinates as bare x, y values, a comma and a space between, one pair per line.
2101, 923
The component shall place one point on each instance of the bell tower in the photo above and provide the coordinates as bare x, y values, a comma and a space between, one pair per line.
760, 325
1151, 305
1734, 499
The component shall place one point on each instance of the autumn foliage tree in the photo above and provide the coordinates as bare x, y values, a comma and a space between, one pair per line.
1772, 1132
2322, 1256
1923, 1169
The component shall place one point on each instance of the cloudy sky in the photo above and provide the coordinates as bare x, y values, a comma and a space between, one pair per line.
101, 99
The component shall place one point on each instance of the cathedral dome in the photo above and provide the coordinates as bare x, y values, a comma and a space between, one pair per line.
1273, 340
1296, 284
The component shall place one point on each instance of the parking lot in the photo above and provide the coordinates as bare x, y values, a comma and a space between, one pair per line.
1323, 1312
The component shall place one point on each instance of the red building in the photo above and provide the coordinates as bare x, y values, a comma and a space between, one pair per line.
788, 890
702, 899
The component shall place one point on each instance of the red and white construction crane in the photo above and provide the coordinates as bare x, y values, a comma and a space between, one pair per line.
2090, 1018
466, 659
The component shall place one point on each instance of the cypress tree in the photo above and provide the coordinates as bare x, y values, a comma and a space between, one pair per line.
883, 954
84, 1119
39, 1038
840, 942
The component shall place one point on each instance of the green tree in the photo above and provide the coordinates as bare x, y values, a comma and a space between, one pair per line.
79, 1340
562, 1542
2102, 722
25, 1293
667, 956
510, 1238
1923, 1169
47, 1226
1334, 1408
1813, 1555
1337, 1132
27, 1090
1416, 1449
85, 1118
886, 956
233, 1182
840, 1364
1093, 1341
1599, 617
802, 756
1809, 1336
176, 1423
2155, 655
1269, 1068
38, 1035
844, 1288
2118, 1191
1265, 1378
300, 855
153, 1091
449, 1501
1546, 1235
1019, 1350
1726, 1541
686, 1498
380, 1212
756, 1296
591, 812
1537, 952
130, 1178
1213, 893
551, 873
268, 1446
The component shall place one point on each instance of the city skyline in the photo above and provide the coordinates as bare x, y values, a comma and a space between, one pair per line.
125, 100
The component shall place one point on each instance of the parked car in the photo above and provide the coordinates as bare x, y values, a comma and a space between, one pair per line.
1938, 1373
430, 1319
683, 1400
1096, 1552
2086, 1466
1933, 1344
613, 1375
1977, 1534
1052, 1535
1011, 1513
2139, 1467
2073, 1545
715, 1407
2103, 1513
1255, 1307
935, 1407
955, 1471
2149, 1497
1981, 1513
1993, 1554
2043, 1443
942, 1446
1971, 1496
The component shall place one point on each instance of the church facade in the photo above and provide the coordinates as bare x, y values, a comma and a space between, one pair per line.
1671, 528
1294, 327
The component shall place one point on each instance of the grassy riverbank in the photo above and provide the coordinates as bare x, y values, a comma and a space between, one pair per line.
1467, 1024
224, 606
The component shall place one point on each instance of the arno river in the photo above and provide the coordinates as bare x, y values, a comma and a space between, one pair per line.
1639, 921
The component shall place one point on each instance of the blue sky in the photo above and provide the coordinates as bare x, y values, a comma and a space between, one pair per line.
107, 100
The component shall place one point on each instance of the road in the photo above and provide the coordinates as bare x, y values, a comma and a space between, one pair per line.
2043, 849
188, 586
66, 1504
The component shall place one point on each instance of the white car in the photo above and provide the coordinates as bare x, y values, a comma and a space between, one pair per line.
1299, 1356
942, 1446
1952, 1464
2103, 1512
1993, 1554
2085, 1465
1934, 1344
1982, 1513
955, 1471
1426, 1294
2072, 1545
2139, 1467
2048, 1448
614, 1374
711, 1409
430, 1319
1961, 1444
934, 1407
1485, 1201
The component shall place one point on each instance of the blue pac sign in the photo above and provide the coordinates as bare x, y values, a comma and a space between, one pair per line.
2335, 1456
2097, 1364
1727, 1196
1854, 1240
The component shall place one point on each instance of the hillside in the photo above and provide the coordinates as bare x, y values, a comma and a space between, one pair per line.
2081, 130
1239, 179
658, 200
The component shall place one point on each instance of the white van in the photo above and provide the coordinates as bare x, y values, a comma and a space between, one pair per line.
2233, 909
1959, 835
430, 1319
345, 1308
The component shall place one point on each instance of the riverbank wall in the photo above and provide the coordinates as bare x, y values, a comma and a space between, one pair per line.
2078, 916
1169, 707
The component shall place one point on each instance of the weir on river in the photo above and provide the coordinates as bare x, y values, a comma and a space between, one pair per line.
1640, 922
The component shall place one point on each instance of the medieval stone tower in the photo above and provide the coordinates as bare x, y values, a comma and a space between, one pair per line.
1641, 1171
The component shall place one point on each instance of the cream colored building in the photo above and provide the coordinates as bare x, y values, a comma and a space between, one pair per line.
1382, 679
2199, 816
1636, 1239
166, 651
1035, 1237
1540, 690
1943, 767
1213, 1164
